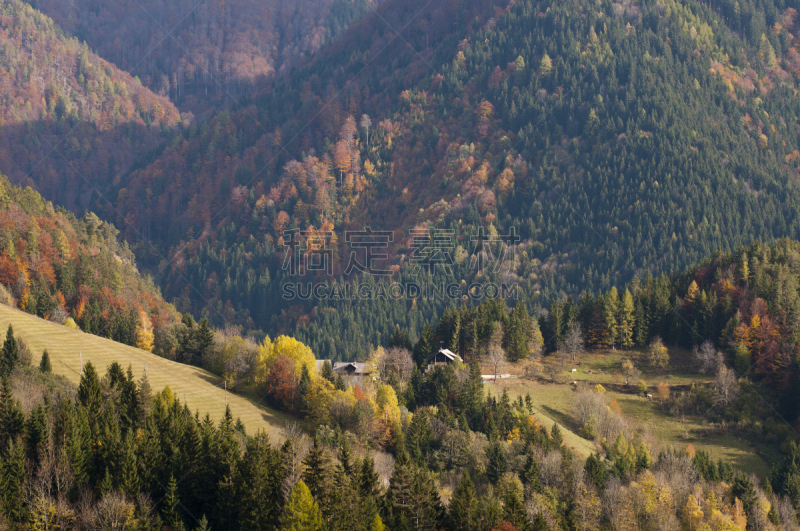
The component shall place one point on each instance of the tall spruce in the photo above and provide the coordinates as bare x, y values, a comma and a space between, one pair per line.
10, 352
90, 392
44, 365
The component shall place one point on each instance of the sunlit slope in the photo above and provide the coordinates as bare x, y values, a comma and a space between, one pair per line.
200, 389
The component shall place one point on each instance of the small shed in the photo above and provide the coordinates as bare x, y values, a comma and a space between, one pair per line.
443, 357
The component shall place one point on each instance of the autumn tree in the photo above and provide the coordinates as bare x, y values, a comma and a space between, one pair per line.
610, 313
629, 371
657, 354
144, 332
302, 512
573, 342
626, 319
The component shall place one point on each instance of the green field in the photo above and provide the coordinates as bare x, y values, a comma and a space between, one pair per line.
200, 389
604, 367
553, 403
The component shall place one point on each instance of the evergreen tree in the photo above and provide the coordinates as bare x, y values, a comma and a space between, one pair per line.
425, 346
596, 471
303, 386
36, 435
497, 461
260, 477
643, 459
205, 336
44, 365
105, 486
530, 473
171, 510
327, 372
744, 489
463, 506
10, 352
425, 507
398, 497
129, 474
400, 339
555, 436
12, 479
89, 391
339, 385
12, 419
317, 470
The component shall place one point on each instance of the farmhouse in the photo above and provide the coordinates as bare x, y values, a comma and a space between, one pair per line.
443, 357
350, 368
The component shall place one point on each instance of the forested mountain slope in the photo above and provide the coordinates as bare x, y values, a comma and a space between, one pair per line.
202, 54
618, 138
74, 272
70, 122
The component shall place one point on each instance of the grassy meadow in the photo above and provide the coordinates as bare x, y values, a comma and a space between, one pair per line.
200, 389
553, 403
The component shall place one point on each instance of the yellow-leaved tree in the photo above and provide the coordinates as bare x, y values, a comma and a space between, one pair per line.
386, 405
264, 351
287, 346
144, 332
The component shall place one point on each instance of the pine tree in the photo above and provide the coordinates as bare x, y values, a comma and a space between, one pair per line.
398, 497
44, 365
530, 473
643, 459
368, 478
514, 509
106, 485
556, 436
519, 329
129, 475
463, 505
303, 386
12, 479
596, 471
171, 510
744, 489
426, 510
205, 336
12, 419
202, 525
498, 461
327, 372
36, 434
260, 476
339, 385
317, 470
89, 391
10, 353
425, 345
302, 512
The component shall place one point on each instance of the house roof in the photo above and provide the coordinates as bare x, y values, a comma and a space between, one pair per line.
358, 368
319, 363
447, 353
